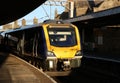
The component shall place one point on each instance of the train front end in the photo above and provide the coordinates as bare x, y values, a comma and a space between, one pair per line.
63, 46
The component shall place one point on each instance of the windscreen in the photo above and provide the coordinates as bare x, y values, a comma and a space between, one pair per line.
62, 36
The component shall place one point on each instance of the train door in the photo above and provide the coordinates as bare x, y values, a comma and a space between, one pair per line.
20, 44
40, 48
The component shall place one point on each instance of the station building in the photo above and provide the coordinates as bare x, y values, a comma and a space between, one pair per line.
100, 40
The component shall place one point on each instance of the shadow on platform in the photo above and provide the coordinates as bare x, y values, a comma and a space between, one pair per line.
4, 53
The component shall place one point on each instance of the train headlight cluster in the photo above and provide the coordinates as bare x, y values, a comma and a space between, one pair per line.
78, 53
49, 53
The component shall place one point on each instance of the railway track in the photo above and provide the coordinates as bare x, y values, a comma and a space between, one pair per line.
100, 72
86, 76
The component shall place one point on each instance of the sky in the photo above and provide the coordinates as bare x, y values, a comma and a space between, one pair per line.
43, 12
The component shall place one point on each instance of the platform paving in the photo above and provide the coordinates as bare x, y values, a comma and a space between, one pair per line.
16, 70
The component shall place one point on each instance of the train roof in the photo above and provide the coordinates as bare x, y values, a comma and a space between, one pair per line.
22, 28
30, 28
18, 31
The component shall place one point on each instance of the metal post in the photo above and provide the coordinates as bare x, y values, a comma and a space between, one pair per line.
71, 6
22, 43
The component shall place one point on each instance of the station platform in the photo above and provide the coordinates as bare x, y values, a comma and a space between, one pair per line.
15, 70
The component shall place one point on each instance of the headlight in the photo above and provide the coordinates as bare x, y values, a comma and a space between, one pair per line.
78, 53
49, 53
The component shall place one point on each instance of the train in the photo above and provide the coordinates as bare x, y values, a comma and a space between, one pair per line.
51, 45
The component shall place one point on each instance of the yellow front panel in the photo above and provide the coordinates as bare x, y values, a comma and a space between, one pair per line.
62, 52
46, 35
